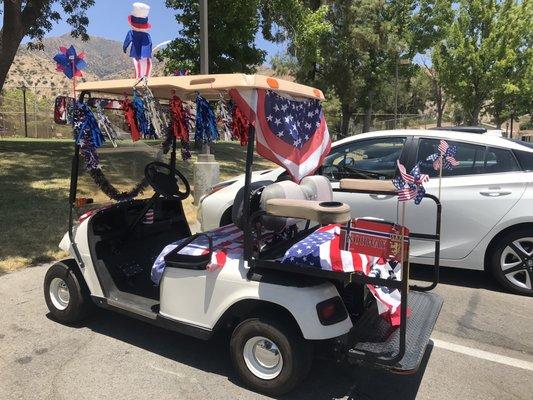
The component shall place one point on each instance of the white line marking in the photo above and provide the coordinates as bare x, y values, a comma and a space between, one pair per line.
166, 371
484, 355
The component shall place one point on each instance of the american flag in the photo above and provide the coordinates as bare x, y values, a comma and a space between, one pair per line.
228, 245
322, 249
292, 133
410, 186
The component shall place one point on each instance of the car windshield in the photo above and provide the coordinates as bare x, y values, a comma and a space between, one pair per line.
122, 167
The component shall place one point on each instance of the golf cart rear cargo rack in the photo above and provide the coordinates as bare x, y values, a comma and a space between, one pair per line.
372, 339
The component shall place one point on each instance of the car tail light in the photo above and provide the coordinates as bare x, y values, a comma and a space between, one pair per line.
331, 311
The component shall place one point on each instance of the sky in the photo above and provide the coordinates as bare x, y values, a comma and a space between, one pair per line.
108, 19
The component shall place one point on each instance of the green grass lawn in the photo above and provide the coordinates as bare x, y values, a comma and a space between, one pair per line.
34, 182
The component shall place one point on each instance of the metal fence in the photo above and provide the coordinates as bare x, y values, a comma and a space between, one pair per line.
29, 112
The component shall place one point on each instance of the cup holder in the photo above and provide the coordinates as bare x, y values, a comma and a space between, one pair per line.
330, 204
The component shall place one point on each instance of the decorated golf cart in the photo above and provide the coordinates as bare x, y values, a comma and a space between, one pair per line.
292, 274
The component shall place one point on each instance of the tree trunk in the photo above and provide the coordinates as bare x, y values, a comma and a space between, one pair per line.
474, 120
17, 23
497, 114
367, 118
440, 106
345, 120
10, 37
8, 50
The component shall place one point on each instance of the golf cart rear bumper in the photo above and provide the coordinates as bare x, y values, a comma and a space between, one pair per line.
372, 341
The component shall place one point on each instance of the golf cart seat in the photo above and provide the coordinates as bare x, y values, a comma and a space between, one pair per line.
310, 200
289, 198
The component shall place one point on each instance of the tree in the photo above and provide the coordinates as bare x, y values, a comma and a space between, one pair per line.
483, 54
353, 46
232, 29
33, 19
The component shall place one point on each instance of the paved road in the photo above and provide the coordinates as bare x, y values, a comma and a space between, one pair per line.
483, 349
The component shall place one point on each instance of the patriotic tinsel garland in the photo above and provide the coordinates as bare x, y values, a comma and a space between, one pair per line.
89, 137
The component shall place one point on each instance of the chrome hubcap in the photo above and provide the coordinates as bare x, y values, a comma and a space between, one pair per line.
262, 357
516, 263
59, 293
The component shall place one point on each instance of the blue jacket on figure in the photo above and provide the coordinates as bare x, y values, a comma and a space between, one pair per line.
141, 44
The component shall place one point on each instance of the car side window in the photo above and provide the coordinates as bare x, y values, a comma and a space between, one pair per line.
473, 159
365, 159
500, 160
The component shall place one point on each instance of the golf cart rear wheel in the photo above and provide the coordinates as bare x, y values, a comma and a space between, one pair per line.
65, 293
511, 262
270, 356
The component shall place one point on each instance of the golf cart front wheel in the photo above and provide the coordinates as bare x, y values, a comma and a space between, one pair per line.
269, 356
65, 293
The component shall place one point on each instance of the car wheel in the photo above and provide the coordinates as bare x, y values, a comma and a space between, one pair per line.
66, 294
512, 262
270, 357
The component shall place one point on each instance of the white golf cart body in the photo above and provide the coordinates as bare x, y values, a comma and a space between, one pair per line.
286, 301
200, 298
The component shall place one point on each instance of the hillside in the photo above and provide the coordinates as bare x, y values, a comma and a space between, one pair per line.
37, 69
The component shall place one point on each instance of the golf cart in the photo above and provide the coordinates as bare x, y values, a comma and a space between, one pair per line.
138, 257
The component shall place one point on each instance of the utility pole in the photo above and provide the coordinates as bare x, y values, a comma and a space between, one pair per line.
396, 92
206, 171
204, 35
25, 110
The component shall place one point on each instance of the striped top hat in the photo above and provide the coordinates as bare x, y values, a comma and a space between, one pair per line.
139, 17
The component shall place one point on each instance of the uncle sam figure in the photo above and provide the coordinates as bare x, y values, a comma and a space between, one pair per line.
140, 40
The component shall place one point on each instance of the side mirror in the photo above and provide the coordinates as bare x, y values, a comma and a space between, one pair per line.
63, 110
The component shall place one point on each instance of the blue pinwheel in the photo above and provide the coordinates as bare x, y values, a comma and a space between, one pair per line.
445, 158
69, 62
410, 186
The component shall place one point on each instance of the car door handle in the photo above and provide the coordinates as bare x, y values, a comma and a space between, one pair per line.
494, 193
381, 196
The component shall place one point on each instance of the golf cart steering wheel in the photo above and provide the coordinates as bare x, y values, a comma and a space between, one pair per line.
164, 180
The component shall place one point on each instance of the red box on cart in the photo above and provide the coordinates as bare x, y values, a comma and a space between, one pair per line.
376, 238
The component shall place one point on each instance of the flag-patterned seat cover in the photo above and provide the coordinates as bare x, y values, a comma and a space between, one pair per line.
320, 249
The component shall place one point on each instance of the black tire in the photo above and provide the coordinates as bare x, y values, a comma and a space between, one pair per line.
79, 303
296, 353
494, 260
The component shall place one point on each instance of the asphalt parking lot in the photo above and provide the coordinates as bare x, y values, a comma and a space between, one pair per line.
482, 349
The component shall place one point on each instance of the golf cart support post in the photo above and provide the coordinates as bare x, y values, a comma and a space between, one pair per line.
211, 87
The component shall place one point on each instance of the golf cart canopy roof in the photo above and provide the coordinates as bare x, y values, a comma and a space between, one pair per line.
209, 86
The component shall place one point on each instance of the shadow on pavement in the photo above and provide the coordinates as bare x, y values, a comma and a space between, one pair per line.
457, 277
325, 381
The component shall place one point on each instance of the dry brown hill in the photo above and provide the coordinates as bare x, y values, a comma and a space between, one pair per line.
37, 70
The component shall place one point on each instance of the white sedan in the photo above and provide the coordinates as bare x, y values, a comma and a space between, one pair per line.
487, 200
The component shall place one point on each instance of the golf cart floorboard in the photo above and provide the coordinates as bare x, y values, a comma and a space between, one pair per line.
374, 337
